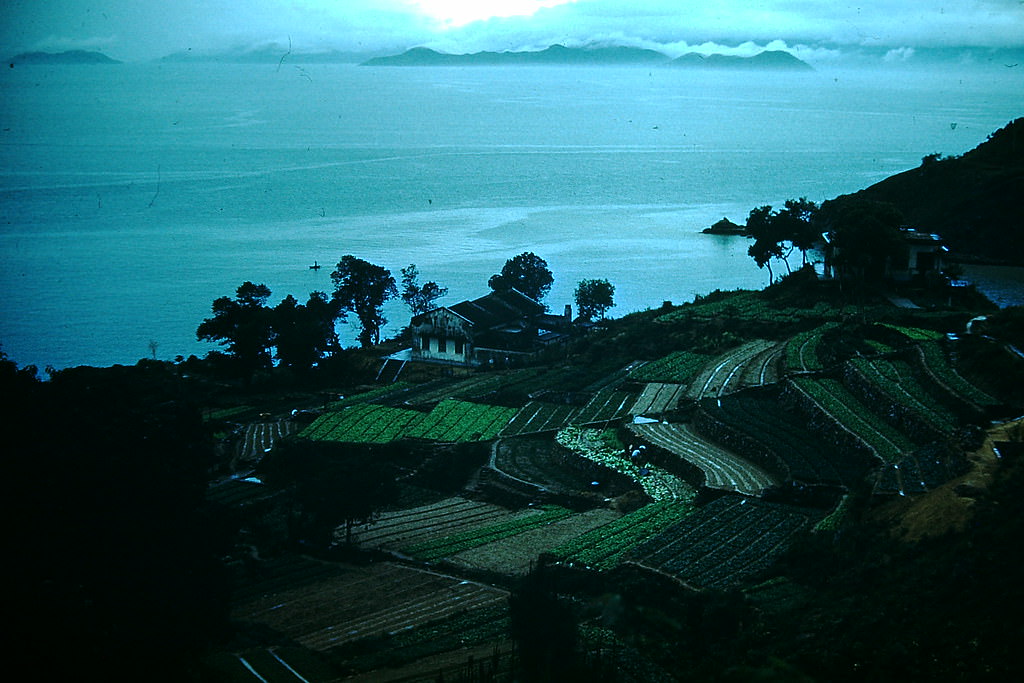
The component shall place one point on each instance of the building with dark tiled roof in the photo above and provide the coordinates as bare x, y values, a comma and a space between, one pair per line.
498, 328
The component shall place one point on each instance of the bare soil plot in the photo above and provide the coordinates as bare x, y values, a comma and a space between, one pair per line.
259, 438
657, 398
722, 469
724, 374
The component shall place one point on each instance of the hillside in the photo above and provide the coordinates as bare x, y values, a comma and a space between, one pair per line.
68, 57
975, 200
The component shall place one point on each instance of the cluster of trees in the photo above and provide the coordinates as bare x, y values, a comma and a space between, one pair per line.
862, 235
298, 335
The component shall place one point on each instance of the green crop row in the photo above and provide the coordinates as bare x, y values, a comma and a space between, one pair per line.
362, 423
454, 420
677, 368
456, 543
914, 333
603, 547
836, 400
937, 363
802, 349
896, 380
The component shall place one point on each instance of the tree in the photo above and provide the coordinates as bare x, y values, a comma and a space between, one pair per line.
799, 225
243, 325
762, 226
594, 298
364, 288
419, 298
527, 273
304, 334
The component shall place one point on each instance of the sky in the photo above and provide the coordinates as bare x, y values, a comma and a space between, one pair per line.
137, 30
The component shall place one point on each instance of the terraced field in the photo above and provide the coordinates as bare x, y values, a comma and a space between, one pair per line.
258, 439
724, 542
341, 603
657, 398
538, 416
749, 365
760, 427
722, 469
516, 554
403, 528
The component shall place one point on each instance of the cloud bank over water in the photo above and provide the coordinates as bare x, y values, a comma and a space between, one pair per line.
147, 29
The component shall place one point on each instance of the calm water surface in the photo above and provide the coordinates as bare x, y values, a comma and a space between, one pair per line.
132, 196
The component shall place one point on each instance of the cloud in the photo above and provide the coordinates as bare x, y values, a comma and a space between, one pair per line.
152, 28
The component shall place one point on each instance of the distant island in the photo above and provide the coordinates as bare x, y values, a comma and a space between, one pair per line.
559, 54
67, 57
269, 54
726, 227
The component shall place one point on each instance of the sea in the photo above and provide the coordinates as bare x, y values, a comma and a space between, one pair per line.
133, 195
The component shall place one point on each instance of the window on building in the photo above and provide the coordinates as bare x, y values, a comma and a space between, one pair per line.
458, 346
425, 345
442, 345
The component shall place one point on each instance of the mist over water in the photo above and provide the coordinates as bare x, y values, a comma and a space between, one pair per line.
133, 196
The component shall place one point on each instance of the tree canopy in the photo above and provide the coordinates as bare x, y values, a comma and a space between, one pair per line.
364, 288
527, 273
594, 298
777, 233
305, 333
419, 298
243, 325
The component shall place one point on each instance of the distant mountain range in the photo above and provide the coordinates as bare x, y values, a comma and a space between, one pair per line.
271, 54
68, 57
559, 54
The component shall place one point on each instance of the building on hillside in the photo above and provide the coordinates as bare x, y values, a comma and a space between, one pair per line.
922, 254
498, 328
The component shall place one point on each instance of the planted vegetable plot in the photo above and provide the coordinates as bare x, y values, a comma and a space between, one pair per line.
802, 349
606, 405
476, 386
453, 420
656, 482
517, 553
402, 528
934, 361
450, 420
515, 523
896, 380
724, 542
675, 368
722, 469
363, 423
540, 461
603, 547
259, 438
328, 609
